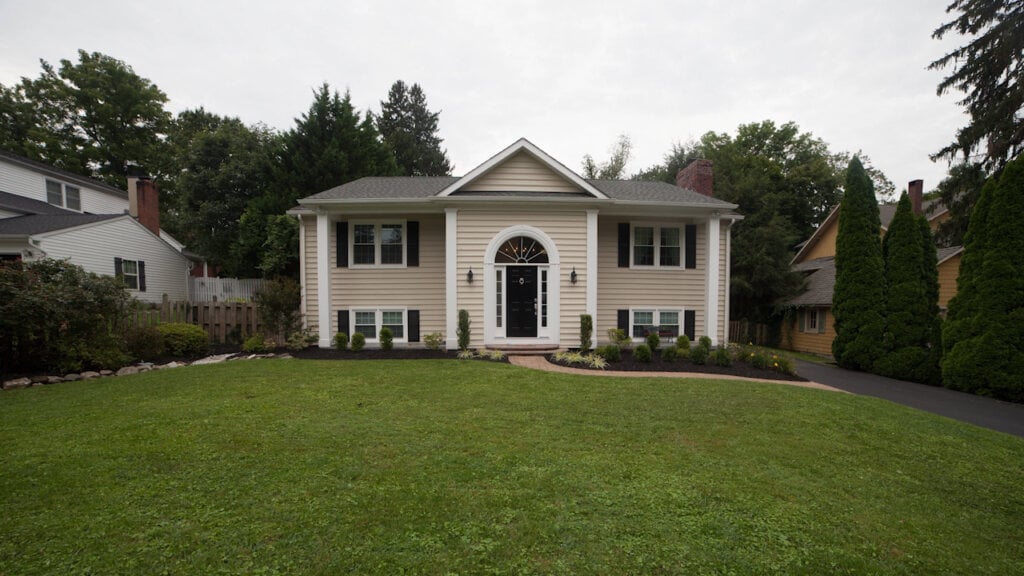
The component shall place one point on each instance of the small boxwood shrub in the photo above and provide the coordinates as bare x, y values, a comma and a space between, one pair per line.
181, 339
143, 343
433, 341
463, 333
387, 339
255, 344
586, 333
699, 355
341, 341
722, 357
705, 341
358, 341
618, 337
642, 353
653, 341
670, 354
683, 343
611, 353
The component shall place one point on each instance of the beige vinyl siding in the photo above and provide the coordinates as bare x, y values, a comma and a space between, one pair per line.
623, 288
309, 283
22, 181
521, 172
567, 229
723, 282
412, 288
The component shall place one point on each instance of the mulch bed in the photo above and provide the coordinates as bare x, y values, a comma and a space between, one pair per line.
315, 353
629, 364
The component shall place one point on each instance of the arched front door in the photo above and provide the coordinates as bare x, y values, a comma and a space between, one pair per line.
521, 300
521, 258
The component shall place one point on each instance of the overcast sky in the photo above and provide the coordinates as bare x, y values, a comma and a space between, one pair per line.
568, 75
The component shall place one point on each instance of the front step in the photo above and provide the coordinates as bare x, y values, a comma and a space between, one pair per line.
526, 349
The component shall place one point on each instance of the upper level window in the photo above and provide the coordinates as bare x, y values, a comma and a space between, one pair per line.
63, 195
378, 244
656, 246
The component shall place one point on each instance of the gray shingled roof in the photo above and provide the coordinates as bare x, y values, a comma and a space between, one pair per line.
820, 282
887, 211
15, 203
944, 253
40, 223
62, 174
412, 187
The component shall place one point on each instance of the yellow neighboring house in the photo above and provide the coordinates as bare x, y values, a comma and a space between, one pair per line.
811, 326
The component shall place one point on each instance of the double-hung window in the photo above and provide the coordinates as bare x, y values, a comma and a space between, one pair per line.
130, 274
370, 322
656, 246
378, 244
645, 321
63, 195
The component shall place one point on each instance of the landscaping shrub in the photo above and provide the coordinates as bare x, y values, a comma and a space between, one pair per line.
255, 344
586, 333
699, 355
463, 332
181, 339
759, 359
705, 342
277, 304
782, 364
466, 354
722, 357
300, 340
642, 353
433, 341
618, 337
341, 341
611, 353
358, 341
653, 341
386, 338
143, 343
670, 354
683, 343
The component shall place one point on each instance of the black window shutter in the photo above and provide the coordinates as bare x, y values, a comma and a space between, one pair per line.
142, 276
341, 230
690, 324
691, 246
623, 321
623, 244
414, 325
412, 244
118, 268
343, 321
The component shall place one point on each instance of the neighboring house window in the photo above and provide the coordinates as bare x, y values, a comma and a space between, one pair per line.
378, 244
643, 322
132, 273
63, 195
814, 320
657, 246
369, 322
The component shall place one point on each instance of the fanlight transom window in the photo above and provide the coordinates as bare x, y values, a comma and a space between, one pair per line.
521, 250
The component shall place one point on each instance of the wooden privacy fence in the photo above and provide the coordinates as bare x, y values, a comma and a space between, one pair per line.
746, 332
217, 318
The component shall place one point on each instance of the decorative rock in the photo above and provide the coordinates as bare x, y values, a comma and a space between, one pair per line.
127, 371
286, 356
168, 366
17, 383
39, 379
54, 379
212, 359
106, 373
90, 375
72, 377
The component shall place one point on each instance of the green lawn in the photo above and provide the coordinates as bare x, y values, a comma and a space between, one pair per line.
449, 467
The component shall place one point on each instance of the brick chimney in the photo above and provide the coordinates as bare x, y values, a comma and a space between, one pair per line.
144, 202
915, 190
697, 176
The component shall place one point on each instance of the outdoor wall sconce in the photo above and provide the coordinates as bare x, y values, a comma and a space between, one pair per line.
469, 276
572, 276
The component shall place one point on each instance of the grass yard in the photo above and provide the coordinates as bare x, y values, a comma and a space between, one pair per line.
446, 467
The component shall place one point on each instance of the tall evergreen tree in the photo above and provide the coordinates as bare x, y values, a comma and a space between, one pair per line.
911, 299
409, 128
858, 300
986, 354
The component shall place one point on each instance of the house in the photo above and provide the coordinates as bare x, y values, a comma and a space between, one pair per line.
525, 246
811, 325
46, 212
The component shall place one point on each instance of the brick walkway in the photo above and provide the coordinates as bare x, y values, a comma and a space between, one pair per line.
541, 363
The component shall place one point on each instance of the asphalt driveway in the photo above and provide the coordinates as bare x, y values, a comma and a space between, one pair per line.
980, 411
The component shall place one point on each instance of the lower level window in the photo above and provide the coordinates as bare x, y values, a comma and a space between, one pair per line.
814, 320
130, 273
664, 322
369, 323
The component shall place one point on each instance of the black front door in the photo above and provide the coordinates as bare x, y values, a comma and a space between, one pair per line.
521, 302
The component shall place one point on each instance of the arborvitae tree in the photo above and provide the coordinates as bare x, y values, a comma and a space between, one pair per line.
989, 359
910, 300
409, 128
858, 301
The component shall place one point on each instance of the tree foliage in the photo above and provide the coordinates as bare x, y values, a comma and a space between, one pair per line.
615, 167
989, 71
93, 117
959, 191
409, 128
858, 300
911, 314
984, 337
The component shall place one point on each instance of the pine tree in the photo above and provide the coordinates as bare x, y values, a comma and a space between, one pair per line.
858, 301
985, 338
409, 128
911, 299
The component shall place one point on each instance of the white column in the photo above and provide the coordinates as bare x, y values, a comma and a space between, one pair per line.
323, 278
712, 291
728, 275
592, 270
451, 271
303, 302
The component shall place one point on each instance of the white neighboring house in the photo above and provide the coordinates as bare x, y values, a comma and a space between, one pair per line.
46, 212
